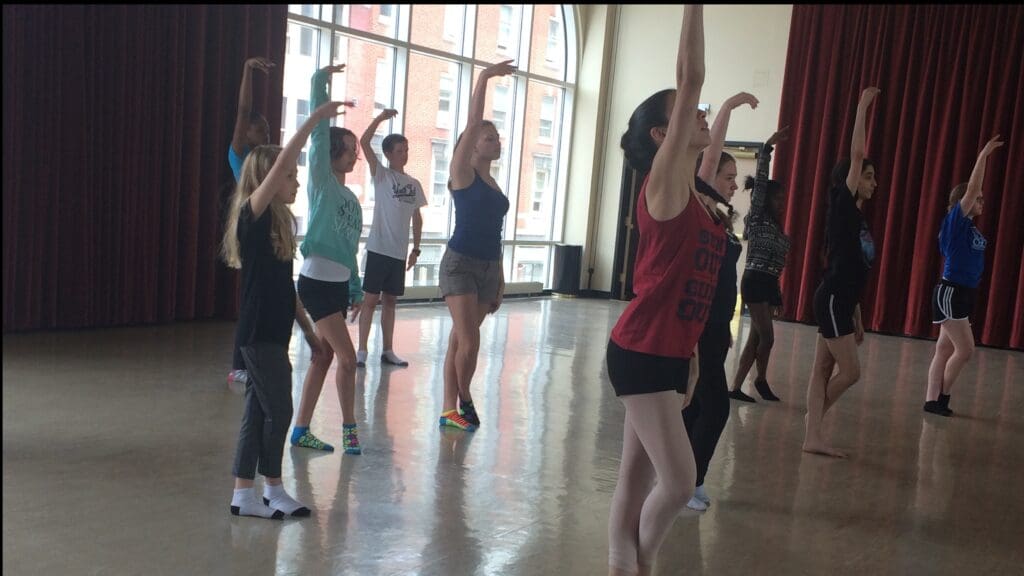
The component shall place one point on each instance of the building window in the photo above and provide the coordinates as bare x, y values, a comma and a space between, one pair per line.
501, 107
284, 115
541, 181
453, 22
306, 41
301, 113
444, 102
439, 190
386, 10
302, 158
547, 117
505, 27
553, 54
382, 85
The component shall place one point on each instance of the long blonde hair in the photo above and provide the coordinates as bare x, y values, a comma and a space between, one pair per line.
282, 227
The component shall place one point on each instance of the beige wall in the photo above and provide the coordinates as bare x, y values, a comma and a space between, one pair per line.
745, 50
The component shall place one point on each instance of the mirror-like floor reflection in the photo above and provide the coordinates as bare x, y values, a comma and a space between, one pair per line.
118, 444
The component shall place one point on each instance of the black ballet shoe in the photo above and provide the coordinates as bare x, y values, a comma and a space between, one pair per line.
739, 395
935, 407
765, 391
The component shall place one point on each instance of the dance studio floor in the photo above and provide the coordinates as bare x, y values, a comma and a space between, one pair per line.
118, 444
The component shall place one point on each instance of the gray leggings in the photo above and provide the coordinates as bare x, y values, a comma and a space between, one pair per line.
268, 411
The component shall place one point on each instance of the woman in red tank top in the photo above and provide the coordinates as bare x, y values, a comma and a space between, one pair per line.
651, 357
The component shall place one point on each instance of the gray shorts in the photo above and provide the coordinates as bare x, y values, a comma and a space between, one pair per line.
461, 274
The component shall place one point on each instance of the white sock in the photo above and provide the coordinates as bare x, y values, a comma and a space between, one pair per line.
244, 503
390, 356
278, 499
701, 495
696, 504
360, 357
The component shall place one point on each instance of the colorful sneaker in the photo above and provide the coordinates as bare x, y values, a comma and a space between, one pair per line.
468, 411
453, 419
350, 439
308, 440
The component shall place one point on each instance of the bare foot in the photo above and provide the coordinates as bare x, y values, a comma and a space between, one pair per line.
821, 448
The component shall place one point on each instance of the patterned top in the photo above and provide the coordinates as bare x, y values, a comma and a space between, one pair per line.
768, 244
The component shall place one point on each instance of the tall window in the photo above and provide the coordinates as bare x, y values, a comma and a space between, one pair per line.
553, 52
444, 102
501, 105
541, 181
505, 26
547, 117
439, 188
382, 85
306, 41
416, 58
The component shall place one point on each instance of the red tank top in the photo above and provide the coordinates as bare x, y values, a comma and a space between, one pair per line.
674, 279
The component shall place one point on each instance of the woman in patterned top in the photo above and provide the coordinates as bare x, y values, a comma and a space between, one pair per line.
768, 246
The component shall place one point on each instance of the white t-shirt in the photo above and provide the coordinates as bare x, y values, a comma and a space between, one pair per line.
396, 197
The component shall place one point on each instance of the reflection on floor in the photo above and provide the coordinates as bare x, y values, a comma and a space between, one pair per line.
117, 451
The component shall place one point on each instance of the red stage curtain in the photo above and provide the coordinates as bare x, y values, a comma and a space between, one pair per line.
116, 125
951, 78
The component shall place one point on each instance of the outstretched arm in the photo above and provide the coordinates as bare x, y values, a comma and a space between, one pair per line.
764, 160
366, 141
461, 169
713, 153
284, 166
264, 65
666, 196
857, 143
978, 175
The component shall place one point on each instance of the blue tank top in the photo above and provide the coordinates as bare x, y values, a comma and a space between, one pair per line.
479, 217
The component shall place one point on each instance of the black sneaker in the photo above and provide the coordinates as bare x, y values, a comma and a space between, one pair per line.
739, 395
765, 391
468, 411
934, 407
944, 402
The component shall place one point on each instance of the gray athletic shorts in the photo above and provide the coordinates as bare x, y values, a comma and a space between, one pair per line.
461, 274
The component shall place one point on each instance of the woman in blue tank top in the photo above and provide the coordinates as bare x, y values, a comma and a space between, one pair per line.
963, 249
472, 278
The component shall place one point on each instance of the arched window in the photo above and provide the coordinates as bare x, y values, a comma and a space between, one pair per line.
423, 60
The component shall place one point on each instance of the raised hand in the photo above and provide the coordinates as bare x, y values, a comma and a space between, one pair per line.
260, 63
868, 96
780, 136
334, 69
500, 69
741, 99
387, 114
991, 145
328, 109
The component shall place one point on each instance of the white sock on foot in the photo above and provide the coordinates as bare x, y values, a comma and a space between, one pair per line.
278, 499
701, 495
244, 503
389, 356
696, 504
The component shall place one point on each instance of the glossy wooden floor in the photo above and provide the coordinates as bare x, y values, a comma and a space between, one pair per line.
117, 451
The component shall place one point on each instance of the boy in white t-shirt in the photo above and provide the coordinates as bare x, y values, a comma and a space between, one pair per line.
398, 198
